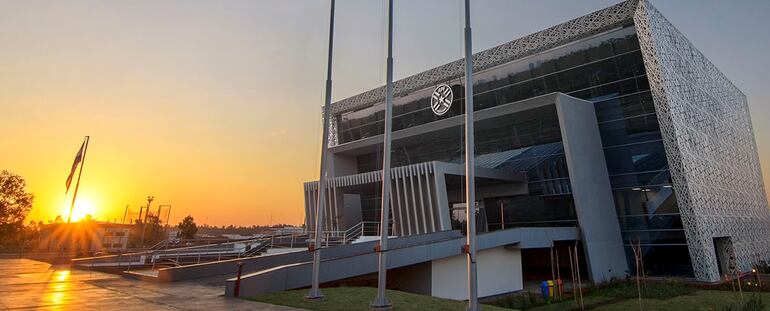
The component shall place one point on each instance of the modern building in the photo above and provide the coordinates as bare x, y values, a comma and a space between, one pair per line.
612, 122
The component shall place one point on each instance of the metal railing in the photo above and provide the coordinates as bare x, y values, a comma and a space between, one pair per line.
175, 256
160, 255
338, 237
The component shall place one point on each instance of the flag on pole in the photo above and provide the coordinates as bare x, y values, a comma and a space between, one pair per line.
78, 159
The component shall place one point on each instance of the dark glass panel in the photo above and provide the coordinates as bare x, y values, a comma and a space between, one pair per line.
625, 107
631, 65
531, 211
663, 260
610, 90
648, 222
636, 158
640, 180
655, 237
502, 142
649, 201
629, 131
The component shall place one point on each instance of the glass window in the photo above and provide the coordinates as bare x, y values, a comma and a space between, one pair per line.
640, 180
655, 237
662, 259
575, 67
632, 130
651, 222
645, 157
625, 107
530, 211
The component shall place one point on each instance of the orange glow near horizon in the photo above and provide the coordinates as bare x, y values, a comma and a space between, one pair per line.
83, 207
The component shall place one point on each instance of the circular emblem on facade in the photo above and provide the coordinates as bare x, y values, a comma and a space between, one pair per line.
441, 100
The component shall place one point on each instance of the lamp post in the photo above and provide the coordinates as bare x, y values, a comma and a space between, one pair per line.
381, 302
315, 292
470, 167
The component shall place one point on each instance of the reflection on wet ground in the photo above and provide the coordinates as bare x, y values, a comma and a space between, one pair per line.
27, 284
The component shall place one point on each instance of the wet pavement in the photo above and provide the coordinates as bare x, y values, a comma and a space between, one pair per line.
33, 285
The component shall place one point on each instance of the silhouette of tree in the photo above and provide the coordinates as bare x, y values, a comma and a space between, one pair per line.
58, 220
15, 204
15, 201
187, 228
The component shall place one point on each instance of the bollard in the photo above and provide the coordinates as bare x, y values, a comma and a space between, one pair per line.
550, 289
237, 290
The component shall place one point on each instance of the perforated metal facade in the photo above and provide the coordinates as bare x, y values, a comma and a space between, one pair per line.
710, 147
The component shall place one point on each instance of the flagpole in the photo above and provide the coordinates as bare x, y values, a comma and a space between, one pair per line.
470, 166
315, 248
381, 301
77, 185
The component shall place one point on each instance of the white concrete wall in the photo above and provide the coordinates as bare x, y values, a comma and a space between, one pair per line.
499, 272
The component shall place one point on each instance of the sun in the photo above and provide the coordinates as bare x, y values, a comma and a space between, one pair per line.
83, 207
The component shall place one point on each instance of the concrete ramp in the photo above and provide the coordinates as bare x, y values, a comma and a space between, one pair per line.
227, 268
403, 252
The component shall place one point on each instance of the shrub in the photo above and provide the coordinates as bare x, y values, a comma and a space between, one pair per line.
520, 301
651, 289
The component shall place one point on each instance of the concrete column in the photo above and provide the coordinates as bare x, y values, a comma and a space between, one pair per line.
442, 201
591, 190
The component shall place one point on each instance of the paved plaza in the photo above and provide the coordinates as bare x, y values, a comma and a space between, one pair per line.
30, 285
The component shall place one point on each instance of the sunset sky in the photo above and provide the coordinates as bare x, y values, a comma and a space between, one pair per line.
214, 106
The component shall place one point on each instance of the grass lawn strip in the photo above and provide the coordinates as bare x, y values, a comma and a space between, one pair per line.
700, 300
570, 304
609, 299
358, 298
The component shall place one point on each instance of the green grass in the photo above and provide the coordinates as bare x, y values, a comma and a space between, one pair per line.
570, 304
655, 290
619, 296
358, 298
699, 300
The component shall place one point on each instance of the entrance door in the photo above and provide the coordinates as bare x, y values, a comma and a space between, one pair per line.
723, 247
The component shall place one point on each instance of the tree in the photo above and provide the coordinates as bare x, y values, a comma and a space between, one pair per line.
146, 233
187, 228
15, 204
15, 201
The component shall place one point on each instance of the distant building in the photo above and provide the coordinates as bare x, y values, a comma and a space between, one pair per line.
613, 123
287, 230
85, 237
